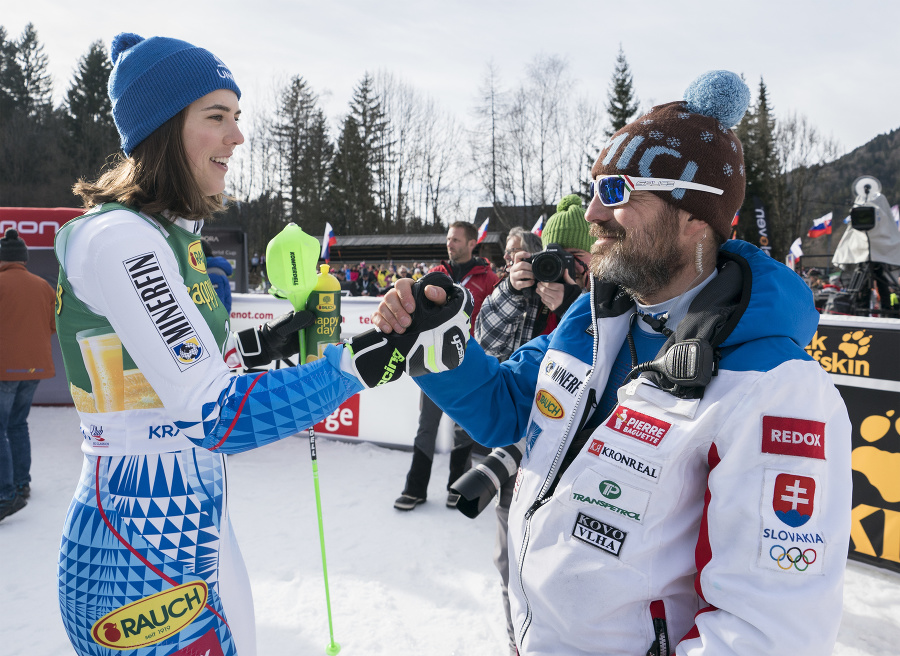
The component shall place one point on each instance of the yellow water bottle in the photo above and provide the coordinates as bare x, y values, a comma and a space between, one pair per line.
325, 303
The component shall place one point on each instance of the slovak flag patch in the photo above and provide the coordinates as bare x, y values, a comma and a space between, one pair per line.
793, 498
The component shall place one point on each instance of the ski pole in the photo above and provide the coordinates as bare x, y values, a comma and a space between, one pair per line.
333, 648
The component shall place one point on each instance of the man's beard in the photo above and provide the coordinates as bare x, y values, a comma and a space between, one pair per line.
645, 260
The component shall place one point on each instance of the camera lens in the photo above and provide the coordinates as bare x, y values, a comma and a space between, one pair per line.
478, 486
547, 266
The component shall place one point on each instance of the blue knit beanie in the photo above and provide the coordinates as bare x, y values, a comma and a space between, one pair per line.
154, 79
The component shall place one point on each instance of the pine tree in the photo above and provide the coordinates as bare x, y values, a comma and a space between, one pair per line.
36, 83
364, 160
11, 82
294, 123
92, 135
756, 132
622, 103
352, 200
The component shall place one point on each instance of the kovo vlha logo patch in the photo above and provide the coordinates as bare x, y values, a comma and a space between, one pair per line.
151, 619
168, 318
548, 405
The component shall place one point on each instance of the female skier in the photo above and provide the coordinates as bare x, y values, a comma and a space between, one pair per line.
148, 560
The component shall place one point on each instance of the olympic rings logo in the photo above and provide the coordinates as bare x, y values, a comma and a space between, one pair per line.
794, 557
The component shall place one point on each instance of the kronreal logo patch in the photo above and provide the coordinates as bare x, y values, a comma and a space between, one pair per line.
561, 376
625, 460
151, 619
599, 534
168, 318
548, 405
644, 428
787, 436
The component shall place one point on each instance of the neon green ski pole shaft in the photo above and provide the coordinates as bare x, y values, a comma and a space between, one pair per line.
333, 648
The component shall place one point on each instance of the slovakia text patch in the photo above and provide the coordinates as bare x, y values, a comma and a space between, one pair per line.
790, 540
793, 437
641, 427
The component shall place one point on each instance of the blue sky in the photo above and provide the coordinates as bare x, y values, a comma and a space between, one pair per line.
835, 62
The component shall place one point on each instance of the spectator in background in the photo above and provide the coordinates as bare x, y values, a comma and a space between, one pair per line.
254, 263
26, 322
218, 269
403, 272
514, 314
473, 273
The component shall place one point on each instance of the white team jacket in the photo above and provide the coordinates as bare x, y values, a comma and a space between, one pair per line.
728, 515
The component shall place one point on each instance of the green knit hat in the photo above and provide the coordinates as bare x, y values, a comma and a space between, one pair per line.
567, 227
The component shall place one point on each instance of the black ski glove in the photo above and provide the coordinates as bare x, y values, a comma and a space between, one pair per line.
276, 340
435, 340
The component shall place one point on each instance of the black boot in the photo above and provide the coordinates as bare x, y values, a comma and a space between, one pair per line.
416, 489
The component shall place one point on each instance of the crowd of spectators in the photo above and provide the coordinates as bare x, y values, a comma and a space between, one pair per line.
365, 279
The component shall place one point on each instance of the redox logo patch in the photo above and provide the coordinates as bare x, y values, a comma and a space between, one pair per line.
788, 436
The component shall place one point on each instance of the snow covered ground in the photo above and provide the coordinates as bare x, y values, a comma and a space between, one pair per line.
401, 583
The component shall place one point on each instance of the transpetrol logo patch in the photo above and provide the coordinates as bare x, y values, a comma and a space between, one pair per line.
599, 534
548, 405
171, 324
641, 427
596, 489
621, 458
793, 498
788, 436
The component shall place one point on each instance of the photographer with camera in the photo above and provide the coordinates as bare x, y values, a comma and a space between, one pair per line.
512, 315
680, 488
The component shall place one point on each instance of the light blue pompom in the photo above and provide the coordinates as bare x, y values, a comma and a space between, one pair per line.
719, 94
122, 42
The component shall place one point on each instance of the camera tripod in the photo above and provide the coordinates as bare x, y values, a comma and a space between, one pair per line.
859, 290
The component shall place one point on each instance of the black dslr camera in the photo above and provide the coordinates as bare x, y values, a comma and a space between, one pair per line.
480, 484
551, 263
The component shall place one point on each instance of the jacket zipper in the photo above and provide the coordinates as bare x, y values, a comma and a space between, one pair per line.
540, 500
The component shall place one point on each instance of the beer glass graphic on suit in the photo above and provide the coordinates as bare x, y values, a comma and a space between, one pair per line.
102, 354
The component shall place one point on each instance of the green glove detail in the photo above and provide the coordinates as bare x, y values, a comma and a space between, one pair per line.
435, 340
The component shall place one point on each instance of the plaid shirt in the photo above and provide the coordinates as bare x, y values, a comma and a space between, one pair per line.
506, 321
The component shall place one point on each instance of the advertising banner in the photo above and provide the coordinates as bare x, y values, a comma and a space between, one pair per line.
862, 355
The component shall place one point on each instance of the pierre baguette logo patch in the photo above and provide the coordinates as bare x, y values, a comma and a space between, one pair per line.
548, 405
195, 256
641, 427
151, 619
787, 436
168, 318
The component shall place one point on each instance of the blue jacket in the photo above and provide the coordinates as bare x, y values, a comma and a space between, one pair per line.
218, 269
696, 516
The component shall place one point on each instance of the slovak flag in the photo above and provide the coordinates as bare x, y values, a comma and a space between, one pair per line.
821, 226
482, 231
895, 212
538, 226
327, 242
